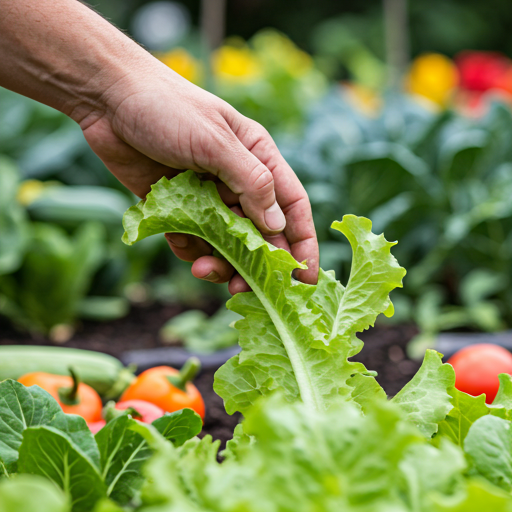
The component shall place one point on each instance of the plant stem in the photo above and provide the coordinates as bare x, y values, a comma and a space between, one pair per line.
187, 373
69, 396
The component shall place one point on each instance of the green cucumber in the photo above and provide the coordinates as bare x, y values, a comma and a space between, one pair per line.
103, 372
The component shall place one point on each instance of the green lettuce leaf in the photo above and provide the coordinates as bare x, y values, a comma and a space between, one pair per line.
488, 445
502, 404
331, 460
466, 410
75, 427
238, 443
429, 470
425, 398
179, 426
295, 337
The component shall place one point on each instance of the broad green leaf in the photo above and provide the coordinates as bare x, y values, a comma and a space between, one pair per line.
126, 444
20, 408
30, 493
123, 452
107, 505
489, 448
295, 337
179, 426
466, 410
77, 430
49, 452
425, 398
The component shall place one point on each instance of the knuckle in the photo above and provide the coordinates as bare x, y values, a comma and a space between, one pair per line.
262, 180
261, 132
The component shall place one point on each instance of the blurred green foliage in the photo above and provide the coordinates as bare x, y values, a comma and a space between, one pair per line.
61, 255
200, 333
284, 84
439, 183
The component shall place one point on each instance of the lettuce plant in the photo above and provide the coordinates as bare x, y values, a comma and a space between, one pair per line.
319, 432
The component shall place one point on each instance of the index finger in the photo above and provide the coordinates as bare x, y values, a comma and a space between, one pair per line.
290, 194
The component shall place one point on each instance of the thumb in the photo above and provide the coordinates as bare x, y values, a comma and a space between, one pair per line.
247, 176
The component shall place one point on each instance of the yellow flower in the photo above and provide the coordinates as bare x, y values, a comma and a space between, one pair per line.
183, 63
235, 63
434, 77
29, 191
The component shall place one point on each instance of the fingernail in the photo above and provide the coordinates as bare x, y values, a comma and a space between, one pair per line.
177, 239
213, 277
274, 218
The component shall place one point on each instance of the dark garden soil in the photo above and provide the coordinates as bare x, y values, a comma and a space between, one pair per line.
384, 352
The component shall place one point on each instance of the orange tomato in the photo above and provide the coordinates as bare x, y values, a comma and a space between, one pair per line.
477, 368
88, 402
155, 386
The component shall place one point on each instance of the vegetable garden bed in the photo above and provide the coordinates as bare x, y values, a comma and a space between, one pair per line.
385, 353
319, 432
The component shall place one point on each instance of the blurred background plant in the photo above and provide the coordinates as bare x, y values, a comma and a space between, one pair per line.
420, 145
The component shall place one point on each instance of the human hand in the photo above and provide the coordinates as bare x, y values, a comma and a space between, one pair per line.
158, 124
145, 121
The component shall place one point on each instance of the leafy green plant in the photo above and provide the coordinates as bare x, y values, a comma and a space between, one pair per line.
54, 278
319, 432
200, 333
39, 439
13, 220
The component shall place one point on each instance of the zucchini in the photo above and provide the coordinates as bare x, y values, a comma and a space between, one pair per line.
103, 372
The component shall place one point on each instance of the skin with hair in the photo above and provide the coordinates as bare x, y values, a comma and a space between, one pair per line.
145, 121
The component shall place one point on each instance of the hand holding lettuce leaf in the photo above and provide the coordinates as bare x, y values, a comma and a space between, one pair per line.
296, 337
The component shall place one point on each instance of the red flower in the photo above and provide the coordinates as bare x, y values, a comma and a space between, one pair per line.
481, 71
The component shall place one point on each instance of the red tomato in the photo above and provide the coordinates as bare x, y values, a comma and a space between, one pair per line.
477, 368
149, 412
96, 426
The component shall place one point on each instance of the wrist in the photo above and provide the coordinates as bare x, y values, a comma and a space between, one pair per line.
63, 54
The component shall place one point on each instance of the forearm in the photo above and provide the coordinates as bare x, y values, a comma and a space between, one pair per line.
62, 53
